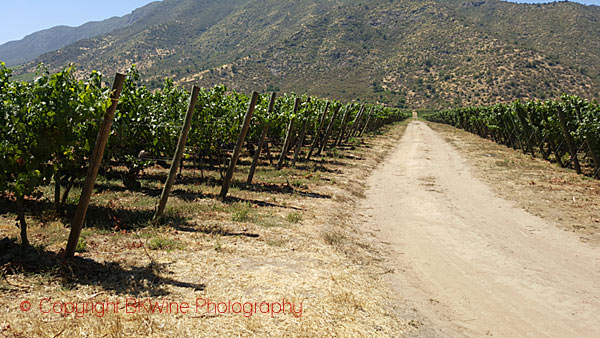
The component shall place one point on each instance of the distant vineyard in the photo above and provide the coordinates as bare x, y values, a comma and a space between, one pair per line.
565, 131
49, 128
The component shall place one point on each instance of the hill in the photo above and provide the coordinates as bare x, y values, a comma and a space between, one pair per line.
566, 32
424, 54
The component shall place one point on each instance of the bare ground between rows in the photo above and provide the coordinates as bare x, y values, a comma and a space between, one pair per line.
465, 255
296, 244
544, 189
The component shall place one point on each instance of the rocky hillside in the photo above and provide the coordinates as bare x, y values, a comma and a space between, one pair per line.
417, 53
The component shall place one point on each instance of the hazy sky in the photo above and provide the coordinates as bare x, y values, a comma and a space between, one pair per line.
23, 17
20, 18
587, 2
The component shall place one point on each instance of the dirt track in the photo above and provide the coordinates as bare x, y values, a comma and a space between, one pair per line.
473, 264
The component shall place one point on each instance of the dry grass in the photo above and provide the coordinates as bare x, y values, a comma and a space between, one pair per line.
286, 237
544, 189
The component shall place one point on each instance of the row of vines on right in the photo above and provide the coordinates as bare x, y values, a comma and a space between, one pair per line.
564, 131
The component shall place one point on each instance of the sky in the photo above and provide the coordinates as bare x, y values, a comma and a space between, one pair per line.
587, 2
23, 17
20, 18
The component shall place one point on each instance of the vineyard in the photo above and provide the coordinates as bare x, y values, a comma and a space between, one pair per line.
565, 131
57, 129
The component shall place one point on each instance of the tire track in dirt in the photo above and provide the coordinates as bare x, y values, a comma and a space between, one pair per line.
470, 262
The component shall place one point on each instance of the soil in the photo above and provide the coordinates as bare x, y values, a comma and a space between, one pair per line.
463, 252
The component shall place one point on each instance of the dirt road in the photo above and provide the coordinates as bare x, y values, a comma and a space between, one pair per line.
473, 264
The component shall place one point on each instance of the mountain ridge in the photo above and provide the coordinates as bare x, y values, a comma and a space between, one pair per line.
422, 54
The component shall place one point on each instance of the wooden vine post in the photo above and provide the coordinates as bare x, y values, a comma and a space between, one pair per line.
94, 166
329, 130
356, 122
301, 137
288, 136
300, 143
366, 124
343, 126
164, 197
315, 142
359, 127
57, 192
238, 147
261, 143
